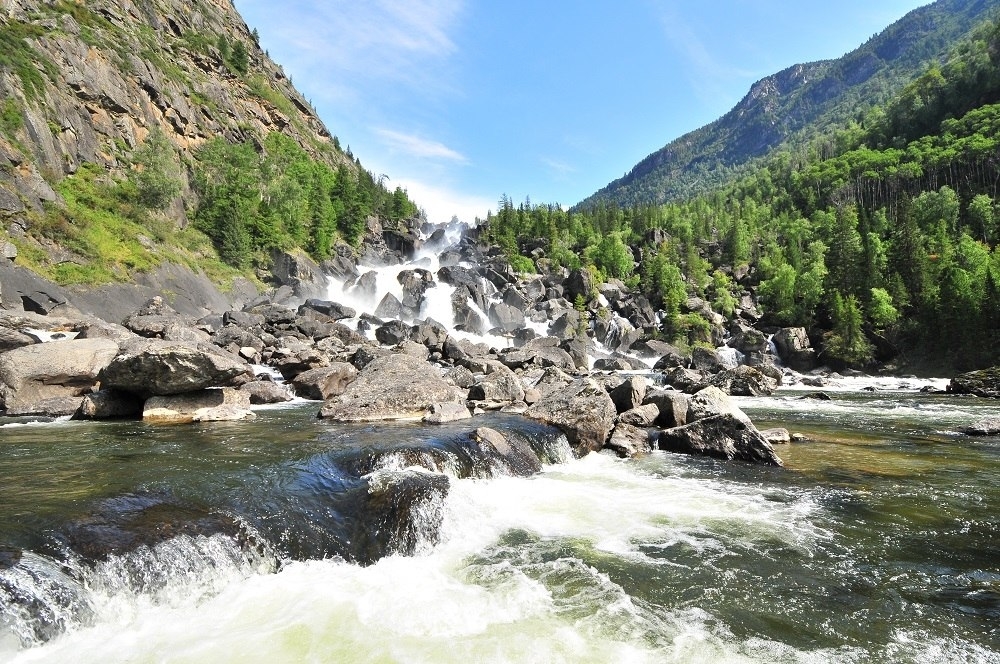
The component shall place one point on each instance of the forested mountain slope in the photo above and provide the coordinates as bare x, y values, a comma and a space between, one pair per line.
797, 104
133, 133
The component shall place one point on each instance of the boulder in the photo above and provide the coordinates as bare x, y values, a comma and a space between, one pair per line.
443, 413
983, 383
706, 359
430, 333
579, 284
299, 272
619, 363
324, 382
794, 348
153, 367
334, 310
460, 377
744, 381
472, 356
987, 427
389, 307
777, 436
723, 436
397, 387
629, 394
645, 416
108, 405
514, 455
499, 385
710, 402
266, 392
670, 357
686, 380
393, 333
506, 317
582, 410
11, 338
671, 405
52, 378
629, 442
222, 405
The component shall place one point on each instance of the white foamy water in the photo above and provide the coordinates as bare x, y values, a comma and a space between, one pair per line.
479, 596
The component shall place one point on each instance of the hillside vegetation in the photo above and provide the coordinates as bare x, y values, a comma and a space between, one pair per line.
880, 237
137, 134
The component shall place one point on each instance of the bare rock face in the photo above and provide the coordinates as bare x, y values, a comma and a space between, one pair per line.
794, 348
154, 367
52, 378
396, 387
223, 405
583, 410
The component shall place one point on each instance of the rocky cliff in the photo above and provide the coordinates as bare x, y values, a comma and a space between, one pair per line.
88, 82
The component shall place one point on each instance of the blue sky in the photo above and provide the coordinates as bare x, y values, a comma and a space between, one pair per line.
461, 101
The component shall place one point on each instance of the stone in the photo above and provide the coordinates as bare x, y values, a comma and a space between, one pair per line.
266, 392
744, 381
686, 380
723, 436
52, 378
460, 377
582, 410
506, 317
630, 394
500, 384
152, 367
221, 405
645, 415
629, 442
706, 359
710, 402
334, 310
794, 348
986, 427
672, 407
389, 307
777, 436
983, 383
393, 333
513, 454
443, 413
107, 405
324, 382
397, 387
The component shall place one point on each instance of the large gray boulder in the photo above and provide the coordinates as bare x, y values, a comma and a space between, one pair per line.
983, 383
794, 348
499, 385
514, 455
52, 378
154, 367
720, 436
324, 382
744, 381
397, 387
582, 410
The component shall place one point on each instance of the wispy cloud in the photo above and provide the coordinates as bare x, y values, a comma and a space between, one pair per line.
417, 147
558, 168
441, 203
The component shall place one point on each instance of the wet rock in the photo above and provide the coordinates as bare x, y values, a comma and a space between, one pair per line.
744, 381
324, 382
629, 442
776, 436
153, 367
707, 360
52, 378
221, 405
518, 458
817, 396
579, 284
506, 317
983, 383
393, 333
397, 387
415, 283
987, 427
618, 363
389, 307
568, 325
108, 405
723, 436
582, 410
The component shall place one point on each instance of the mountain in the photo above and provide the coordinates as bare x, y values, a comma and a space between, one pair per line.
86, 83
799, 103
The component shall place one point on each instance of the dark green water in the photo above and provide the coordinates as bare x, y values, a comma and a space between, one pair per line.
879, 542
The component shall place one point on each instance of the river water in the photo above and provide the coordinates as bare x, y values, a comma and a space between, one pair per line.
878, 542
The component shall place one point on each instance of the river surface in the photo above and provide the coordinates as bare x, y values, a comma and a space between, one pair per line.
878, 542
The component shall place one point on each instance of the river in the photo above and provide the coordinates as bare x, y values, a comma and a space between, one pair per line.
878, 542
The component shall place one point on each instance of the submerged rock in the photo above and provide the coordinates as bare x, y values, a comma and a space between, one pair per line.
987, 427
513, 453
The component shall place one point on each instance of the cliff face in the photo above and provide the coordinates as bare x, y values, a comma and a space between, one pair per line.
87, 82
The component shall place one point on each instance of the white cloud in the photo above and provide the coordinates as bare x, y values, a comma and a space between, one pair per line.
441, 202
420, 148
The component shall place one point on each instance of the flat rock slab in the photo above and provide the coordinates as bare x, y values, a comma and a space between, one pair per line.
154, 367
224, 405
